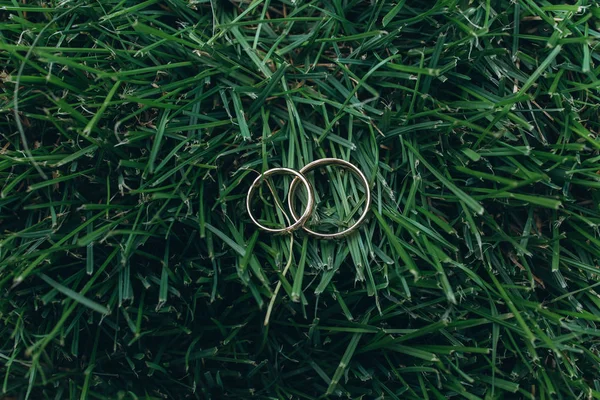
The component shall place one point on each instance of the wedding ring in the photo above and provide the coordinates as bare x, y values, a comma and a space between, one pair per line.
299, 221
318, 163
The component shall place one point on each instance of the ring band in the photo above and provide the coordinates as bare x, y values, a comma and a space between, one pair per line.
331, 161
299, 221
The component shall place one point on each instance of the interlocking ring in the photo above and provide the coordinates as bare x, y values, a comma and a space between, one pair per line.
299, 221
330, 161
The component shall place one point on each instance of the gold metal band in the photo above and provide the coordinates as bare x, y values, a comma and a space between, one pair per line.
331, 161
299, 221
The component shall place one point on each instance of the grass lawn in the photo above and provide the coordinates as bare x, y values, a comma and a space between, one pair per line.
131, 131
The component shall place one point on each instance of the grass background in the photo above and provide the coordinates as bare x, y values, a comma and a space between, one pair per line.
131, 131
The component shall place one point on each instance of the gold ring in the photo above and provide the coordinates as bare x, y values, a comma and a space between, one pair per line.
299, 221
331, 161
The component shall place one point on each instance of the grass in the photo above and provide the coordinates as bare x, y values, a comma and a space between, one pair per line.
131, 131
